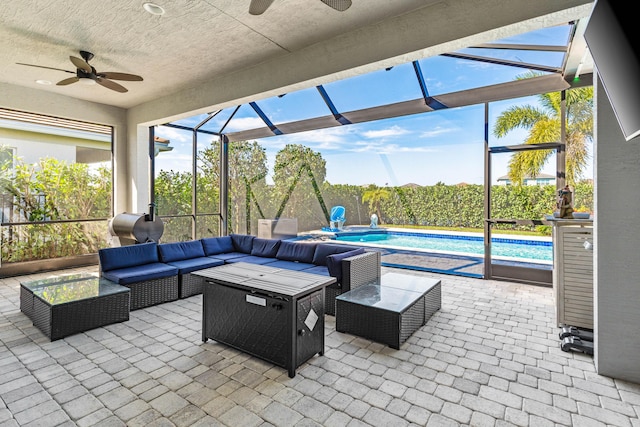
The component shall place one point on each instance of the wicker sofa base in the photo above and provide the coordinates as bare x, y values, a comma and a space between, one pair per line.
152, 292
59, 321
356, 271
190, 284
330, 294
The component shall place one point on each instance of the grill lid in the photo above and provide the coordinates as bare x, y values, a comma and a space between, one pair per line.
137, 227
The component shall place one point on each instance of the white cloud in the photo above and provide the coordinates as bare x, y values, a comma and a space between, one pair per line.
336, 138
245, 123
398, 149
385, 133
173, 134
380, 148
436, 132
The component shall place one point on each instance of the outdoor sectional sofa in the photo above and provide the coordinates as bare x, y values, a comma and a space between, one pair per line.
157, 273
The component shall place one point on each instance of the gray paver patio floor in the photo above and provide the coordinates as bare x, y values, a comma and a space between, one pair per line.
489, 357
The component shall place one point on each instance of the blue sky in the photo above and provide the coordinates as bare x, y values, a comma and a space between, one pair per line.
443, 146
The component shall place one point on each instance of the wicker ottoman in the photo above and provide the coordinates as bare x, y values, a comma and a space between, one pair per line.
389, 311
66, 305
432, 289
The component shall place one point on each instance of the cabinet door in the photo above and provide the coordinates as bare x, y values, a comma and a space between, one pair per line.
251, 322
310, 327
575, 277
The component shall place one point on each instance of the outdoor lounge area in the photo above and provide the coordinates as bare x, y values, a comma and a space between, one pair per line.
489, 356
229, 119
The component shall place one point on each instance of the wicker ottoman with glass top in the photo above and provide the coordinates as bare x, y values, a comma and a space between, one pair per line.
65, 305
388, 311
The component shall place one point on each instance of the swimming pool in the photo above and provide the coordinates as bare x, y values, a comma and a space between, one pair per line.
535, 249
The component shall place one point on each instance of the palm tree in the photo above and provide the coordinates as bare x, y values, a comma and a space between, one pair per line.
375, 196
543, 124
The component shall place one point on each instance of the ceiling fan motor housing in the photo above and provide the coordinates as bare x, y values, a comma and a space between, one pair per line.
82, 74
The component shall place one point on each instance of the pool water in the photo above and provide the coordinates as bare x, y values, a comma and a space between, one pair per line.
539, 250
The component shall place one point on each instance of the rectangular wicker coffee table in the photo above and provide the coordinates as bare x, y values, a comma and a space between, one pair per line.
390, 310
271, 313
67, 304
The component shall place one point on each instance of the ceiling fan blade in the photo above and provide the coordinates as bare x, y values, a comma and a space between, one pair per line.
48, 68
80, 63
67, 81
120, 76
111, 85
339, 5
258, 7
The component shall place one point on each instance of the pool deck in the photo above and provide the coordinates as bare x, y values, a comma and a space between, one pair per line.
424, 260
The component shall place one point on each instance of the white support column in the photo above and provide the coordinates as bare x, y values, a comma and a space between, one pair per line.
616, 246
139, 163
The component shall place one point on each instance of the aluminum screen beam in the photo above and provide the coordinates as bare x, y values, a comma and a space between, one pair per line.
509, 90
526, 147
503, 62
514, 46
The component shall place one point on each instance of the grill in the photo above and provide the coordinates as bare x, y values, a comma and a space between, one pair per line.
132, 228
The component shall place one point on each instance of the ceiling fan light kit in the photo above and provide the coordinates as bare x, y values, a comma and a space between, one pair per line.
87, 81
87, 75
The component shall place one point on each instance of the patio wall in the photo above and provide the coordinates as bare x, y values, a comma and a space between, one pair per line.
617, 259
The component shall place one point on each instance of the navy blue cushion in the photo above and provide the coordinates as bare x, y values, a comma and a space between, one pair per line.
128, 256
242, 242
301, 252
334, 262
260, 260
217, 245
324, 250
180, 250
229, 255
192, 264
265, 247
140, 273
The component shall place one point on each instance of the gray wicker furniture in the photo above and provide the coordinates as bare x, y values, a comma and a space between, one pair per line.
356, 271
146, 293
187, 257
157, 273
275, 314
65, 305
138, 267
390, 310
190, 284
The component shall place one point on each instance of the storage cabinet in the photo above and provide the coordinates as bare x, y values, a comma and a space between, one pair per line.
283, 228
573, 272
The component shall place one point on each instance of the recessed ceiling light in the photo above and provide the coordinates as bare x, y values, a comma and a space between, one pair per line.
153, 8
43, 82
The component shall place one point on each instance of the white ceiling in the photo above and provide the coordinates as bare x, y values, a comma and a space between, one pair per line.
193, 43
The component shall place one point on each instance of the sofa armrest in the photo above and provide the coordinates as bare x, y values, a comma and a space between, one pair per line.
360, 269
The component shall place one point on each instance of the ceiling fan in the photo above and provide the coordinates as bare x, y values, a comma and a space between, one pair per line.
258, 7
85, 73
